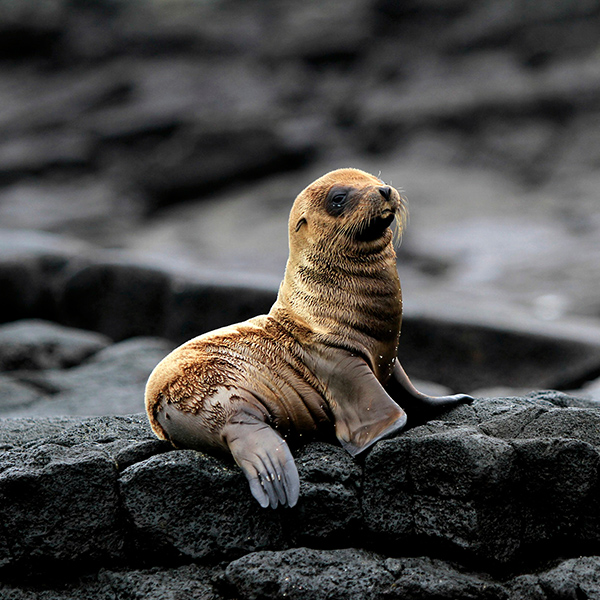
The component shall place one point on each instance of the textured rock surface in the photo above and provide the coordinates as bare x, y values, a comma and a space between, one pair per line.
353, 574
489, 501
58, 505
183, 130
493, 495
109, 382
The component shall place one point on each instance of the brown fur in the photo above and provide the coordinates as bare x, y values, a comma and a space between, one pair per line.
346, 294
336, 293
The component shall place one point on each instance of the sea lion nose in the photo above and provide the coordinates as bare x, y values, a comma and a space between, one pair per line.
386, 192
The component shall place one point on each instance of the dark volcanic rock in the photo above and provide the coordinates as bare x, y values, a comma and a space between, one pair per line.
190, 582
557, 493
126, 439
120, 300
196, 308
105, 488
306, 573
347, 574
222, 518
512, 357
217, 158
31, 263
108, 383
20, 432
35, 344
450, 486
447, 488
89, 208
328, 511
188, 503
575, 578
58, 505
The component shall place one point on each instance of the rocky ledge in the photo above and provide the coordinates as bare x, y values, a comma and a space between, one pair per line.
497, 499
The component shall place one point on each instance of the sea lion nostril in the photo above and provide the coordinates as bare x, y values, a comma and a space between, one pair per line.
386, 191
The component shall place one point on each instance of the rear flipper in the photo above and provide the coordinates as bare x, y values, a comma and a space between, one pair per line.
419, 406
265, 459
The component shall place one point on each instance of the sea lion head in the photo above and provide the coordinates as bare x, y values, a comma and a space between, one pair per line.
348, 210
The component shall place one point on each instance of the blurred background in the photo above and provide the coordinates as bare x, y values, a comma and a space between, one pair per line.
182, 130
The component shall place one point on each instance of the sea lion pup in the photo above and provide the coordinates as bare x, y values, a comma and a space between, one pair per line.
322, 361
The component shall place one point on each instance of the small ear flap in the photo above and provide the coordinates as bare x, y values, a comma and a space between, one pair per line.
299, 224
363, 411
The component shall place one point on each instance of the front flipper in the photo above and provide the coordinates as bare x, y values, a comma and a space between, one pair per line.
363, 411
265, 459
417, 404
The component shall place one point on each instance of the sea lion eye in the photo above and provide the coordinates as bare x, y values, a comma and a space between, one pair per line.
337, 201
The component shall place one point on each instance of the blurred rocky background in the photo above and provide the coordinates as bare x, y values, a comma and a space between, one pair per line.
150, 151
185, 128
178, 132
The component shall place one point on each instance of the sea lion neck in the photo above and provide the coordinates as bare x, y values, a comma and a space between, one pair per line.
341, 286
352, 302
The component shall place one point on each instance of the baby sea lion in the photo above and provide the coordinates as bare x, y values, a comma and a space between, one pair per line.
322, 362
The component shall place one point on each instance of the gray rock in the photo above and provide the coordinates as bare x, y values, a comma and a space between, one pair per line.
575, 578
103, 429
58, 505
225, 519
424, 578
310, 574
513, 357
328, 512
564, 400
556, 492
31, 264
36, 344
89, 208
484, 411
20, 432
196, 308
446, 488
185, 502
215, 156
119, 299
445, 484
351, 573
31, 155
571, 423
126, 439
321, 33
525, 587
110, 382
191, 582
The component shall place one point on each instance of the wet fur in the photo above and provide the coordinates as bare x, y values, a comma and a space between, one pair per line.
319, 363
